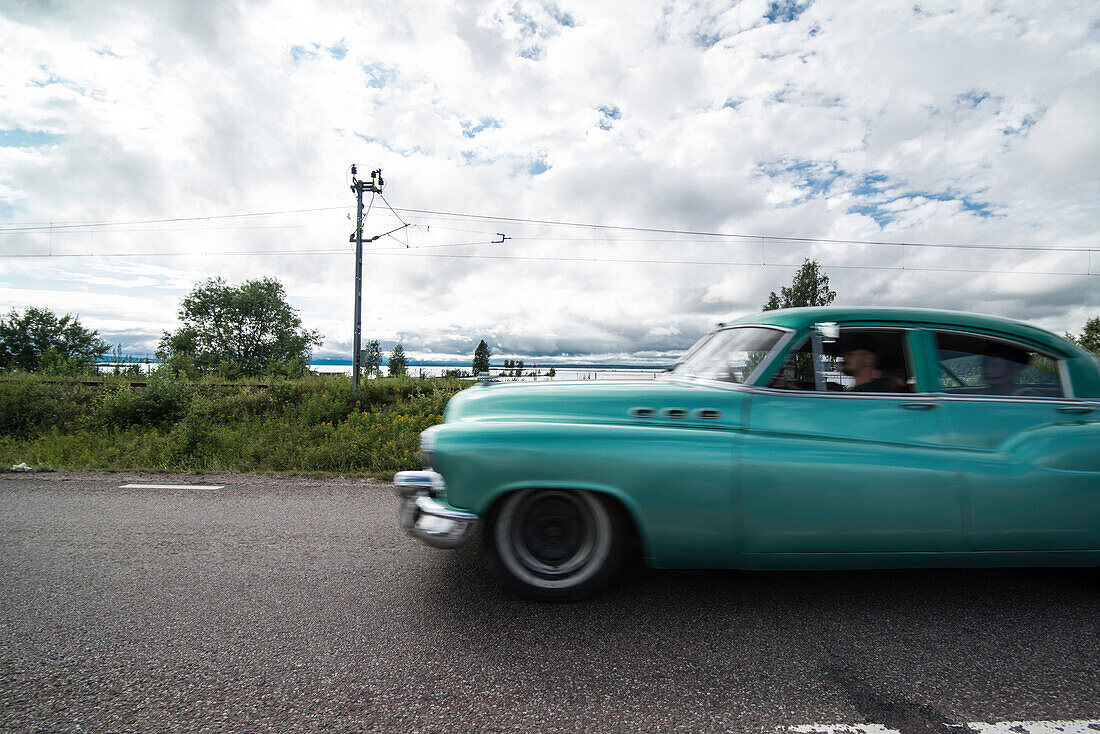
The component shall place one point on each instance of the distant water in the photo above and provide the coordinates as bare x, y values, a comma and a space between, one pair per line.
530, 373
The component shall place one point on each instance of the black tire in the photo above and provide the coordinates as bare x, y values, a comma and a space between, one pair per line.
557, 545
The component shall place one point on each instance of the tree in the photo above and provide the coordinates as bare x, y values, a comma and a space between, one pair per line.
40, 338
244, 329
398, 364
810, 287
372, 364
1090, 336
552, 373
481, 358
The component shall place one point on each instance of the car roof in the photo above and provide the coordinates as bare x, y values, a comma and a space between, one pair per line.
801, 318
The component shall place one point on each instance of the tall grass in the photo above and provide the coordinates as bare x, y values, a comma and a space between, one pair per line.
312, 425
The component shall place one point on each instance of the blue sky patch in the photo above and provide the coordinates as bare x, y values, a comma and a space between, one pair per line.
538, 166
378, 75
704, 39
608, 115
874, 211
876, 207
532, 52
51, 78
313, 51
971, 99
414, 150
870, 184
470, 129
301, 52
785, 11
8, 210
872, 192
20, 138
813, 178
1023, 125
564, 19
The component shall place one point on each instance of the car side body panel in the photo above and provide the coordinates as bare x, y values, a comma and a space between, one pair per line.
674, 482
843, 473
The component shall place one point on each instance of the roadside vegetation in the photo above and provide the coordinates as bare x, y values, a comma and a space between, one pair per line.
233, 391
311, 425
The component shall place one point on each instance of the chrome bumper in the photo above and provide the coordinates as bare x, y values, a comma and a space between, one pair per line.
424, 518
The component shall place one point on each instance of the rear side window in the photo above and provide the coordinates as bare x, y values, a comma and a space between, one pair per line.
975, 365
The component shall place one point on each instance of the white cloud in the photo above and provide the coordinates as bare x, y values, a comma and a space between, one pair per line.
858, 120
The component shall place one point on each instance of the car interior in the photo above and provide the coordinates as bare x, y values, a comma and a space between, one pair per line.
893, 371
974, 365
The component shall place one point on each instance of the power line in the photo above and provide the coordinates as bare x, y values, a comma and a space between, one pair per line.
521, 238
709, 235
406, 252
70, 225
712, 263
703, 233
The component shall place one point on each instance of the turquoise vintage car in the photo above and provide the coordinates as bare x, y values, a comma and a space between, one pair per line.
801, 438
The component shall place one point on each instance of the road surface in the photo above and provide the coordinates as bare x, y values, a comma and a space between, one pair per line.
293, 605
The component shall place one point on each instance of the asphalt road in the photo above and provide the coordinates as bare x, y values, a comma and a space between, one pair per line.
278, 605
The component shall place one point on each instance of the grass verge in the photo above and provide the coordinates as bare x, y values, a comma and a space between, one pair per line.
315, 425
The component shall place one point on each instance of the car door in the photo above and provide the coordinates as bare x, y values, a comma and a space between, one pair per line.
1029, 450
828, 468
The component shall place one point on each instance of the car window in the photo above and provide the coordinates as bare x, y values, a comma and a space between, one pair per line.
859, 361
730, 355
975, 365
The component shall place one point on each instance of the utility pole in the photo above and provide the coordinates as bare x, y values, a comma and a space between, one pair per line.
375, 187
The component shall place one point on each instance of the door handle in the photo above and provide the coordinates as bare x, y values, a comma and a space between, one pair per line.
1076, 408
923, 405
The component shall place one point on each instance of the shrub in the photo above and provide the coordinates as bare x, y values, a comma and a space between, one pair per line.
30, 405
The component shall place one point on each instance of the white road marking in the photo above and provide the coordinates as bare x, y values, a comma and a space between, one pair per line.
1068, 726
1075, 726
171, 486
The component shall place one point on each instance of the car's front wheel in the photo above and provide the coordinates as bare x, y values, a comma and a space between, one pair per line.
555, 544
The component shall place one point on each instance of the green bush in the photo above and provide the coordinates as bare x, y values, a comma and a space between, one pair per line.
163, 400
29, 404
315, 424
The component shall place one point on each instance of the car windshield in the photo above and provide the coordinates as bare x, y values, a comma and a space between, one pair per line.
730, 355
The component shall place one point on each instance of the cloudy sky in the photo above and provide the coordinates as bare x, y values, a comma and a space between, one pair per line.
656, 167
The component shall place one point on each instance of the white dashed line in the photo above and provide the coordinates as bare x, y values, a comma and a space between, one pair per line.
1070, 726
1077, 726
171, 486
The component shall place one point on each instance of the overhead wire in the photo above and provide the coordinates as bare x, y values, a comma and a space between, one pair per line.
45, 227
679, 235
414, 252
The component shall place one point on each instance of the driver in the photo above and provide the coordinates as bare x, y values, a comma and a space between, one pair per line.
860, 360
